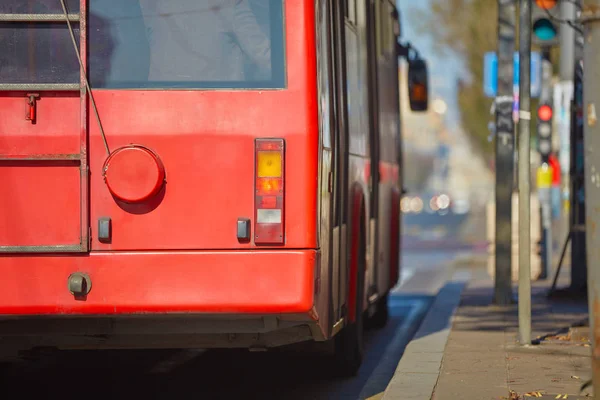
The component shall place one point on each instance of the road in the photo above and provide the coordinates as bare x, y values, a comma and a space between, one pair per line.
218, 374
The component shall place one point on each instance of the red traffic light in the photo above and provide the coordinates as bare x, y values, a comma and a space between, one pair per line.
545, 113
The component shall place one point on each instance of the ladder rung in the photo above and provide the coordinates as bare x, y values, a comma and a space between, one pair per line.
62, 87
75, 248
37, 17
41, 157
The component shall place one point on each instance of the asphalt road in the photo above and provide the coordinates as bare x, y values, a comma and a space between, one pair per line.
218, 374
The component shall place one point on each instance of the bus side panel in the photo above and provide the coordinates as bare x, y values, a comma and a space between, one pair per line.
358, 141
389, 120
323, 45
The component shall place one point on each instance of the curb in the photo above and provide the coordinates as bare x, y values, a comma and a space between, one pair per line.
417, 373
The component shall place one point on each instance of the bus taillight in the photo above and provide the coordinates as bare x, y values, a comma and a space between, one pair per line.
269, 189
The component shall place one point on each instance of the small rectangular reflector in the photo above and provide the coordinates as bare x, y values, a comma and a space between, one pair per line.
268, 202
264, 216
268, 164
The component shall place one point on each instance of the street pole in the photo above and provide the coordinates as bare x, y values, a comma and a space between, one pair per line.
568, 12
577, 221
545, 193
590, 17
505, 130
578, 247
524, 173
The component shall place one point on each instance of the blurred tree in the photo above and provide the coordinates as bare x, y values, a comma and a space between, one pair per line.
466, 28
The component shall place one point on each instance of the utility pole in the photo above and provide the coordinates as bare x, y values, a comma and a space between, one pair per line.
524, 172
568, 12
590, 17
505, 131
577, 230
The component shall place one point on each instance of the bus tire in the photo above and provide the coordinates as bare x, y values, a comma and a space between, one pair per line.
381, 315
349, 343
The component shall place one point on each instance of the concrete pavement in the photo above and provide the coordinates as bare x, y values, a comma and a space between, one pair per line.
417, 372
469, 351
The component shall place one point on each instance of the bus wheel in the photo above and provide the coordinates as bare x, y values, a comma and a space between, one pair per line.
349, 343
380, 318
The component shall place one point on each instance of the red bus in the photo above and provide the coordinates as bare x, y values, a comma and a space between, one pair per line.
198, 173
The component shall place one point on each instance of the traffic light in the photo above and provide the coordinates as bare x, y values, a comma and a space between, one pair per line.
545, 29
544, 130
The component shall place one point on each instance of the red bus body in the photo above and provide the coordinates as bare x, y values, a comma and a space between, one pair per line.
182, 178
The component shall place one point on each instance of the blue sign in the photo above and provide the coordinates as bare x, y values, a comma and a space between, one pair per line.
490, 73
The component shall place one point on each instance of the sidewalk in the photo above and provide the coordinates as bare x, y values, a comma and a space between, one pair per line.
478, 357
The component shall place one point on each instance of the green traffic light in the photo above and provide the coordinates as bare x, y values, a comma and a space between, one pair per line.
544, 29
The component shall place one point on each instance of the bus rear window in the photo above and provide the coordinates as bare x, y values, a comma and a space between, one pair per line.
37, 6
37, 52
195, 44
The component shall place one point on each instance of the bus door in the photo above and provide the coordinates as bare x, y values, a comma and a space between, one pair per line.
43, 145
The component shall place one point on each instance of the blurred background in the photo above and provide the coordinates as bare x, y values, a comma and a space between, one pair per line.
448, 170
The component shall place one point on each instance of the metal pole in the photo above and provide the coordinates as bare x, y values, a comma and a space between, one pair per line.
545, 193
505, 129
578, 247
591, 99
524, 173
568, 11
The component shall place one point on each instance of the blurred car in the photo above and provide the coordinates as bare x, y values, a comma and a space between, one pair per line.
435, 204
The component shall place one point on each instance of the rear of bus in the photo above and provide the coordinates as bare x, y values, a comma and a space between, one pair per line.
179, 200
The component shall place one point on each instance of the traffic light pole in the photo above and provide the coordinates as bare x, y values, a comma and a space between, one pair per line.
504, 153
591, 81
524, 173
544, 191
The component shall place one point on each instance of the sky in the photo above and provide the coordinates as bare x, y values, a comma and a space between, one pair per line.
444, 70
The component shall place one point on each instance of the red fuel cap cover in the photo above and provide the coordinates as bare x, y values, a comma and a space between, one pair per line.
134, 173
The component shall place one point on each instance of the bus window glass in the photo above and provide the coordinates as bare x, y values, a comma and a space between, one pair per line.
203, 44
324, 73
37, 6
389, 34
351, 11
37, 52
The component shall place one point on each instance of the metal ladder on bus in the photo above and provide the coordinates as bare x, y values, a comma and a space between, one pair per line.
31, 93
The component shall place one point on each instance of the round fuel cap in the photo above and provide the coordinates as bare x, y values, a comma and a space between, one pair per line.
134, 174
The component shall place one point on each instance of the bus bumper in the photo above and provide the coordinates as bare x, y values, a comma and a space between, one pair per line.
204, 283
